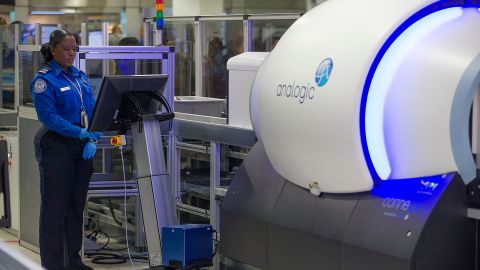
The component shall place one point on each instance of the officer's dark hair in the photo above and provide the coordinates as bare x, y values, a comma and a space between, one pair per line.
55, 38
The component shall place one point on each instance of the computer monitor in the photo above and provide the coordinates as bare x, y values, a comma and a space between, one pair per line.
124, 98
46, 31
95, 38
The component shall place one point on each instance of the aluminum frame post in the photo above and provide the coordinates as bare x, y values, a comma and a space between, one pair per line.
154, 185
105, 63
84, 33
199, 91
214, 184
38, 35
17, 69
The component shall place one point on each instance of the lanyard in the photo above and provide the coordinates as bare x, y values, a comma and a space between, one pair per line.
83, 114
78, 88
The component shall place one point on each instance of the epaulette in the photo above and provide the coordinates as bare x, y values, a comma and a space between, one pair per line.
82, 77
45, 70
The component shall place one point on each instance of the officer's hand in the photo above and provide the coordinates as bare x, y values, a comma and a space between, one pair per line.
96, 135
89, 151
84, 134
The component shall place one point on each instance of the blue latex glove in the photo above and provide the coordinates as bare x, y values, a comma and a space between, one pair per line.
84, 134
89, 150
96, 135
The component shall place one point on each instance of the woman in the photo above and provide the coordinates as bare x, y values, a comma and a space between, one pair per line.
64, 149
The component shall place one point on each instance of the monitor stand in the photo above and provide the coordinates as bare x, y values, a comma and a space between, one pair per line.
154, 185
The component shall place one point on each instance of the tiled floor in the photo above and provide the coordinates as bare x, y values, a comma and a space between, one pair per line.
11, 241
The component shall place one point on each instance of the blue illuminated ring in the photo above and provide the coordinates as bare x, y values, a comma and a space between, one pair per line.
428, 10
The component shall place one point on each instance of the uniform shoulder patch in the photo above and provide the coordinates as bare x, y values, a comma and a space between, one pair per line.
40, 86
83, 79
45, 70
83, 76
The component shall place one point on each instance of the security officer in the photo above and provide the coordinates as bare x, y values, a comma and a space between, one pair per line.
64, 149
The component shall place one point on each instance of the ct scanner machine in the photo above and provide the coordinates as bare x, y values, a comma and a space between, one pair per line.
367, 103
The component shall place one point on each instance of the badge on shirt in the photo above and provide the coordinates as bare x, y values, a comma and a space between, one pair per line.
66, 88
40, 86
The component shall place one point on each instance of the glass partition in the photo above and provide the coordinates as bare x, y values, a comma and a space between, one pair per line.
119, 66
267, 32
45, 31
195, 173
7, 67
112, 165
149, 29
231, 157
203, 45
94, 34
74, 28
194, 178
27, 34
181, 35
94, 71
222, 39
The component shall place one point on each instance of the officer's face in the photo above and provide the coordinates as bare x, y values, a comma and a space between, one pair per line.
64, 52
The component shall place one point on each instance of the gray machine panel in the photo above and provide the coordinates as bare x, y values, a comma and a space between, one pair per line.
448, 222
383, 219
29, 183
355, 258
292, 249
326, 216
246, 210
417, 224
250, 196
247, 239
420, 220
8, 118
422, 231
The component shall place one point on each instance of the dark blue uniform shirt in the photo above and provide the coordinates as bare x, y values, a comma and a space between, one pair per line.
57, 101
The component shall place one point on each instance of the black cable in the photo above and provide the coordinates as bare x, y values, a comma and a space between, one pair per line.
163, 100
105, 258
112, 212
115, 249
132, 99
136, 257
118, 249
94, 237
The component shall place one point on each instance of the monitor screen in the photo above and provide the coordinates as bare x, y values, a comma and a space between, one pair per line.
114, 106
95, 38
46, 31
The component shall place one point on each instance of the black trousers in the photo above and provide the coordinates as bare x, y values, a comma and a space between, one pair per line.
64, 180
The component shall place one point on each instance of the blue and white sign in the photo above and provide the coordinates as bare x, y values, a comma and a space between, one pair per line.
323, 72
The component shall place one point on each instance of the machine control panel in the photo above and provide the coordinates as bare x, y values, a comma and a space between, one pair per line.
401, 198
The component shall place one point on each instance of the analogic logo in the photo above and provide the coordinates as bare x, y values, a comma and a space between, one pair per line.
299, 92
303, 92
323, 72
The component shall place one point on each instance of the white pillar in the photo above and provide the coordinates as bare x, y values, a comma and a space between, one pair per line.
134, 18
197, 7
21, 10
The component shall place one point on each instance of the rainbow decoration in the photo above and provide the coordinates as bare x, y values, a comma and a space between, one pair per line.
159, 9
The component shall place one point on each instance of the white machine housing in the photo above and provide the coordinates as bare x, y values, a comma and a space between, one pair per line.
376, 93
242, 69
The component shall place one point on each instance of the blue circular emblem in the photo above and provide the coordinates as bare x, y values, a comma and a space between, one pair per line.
323, 72
40, 86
